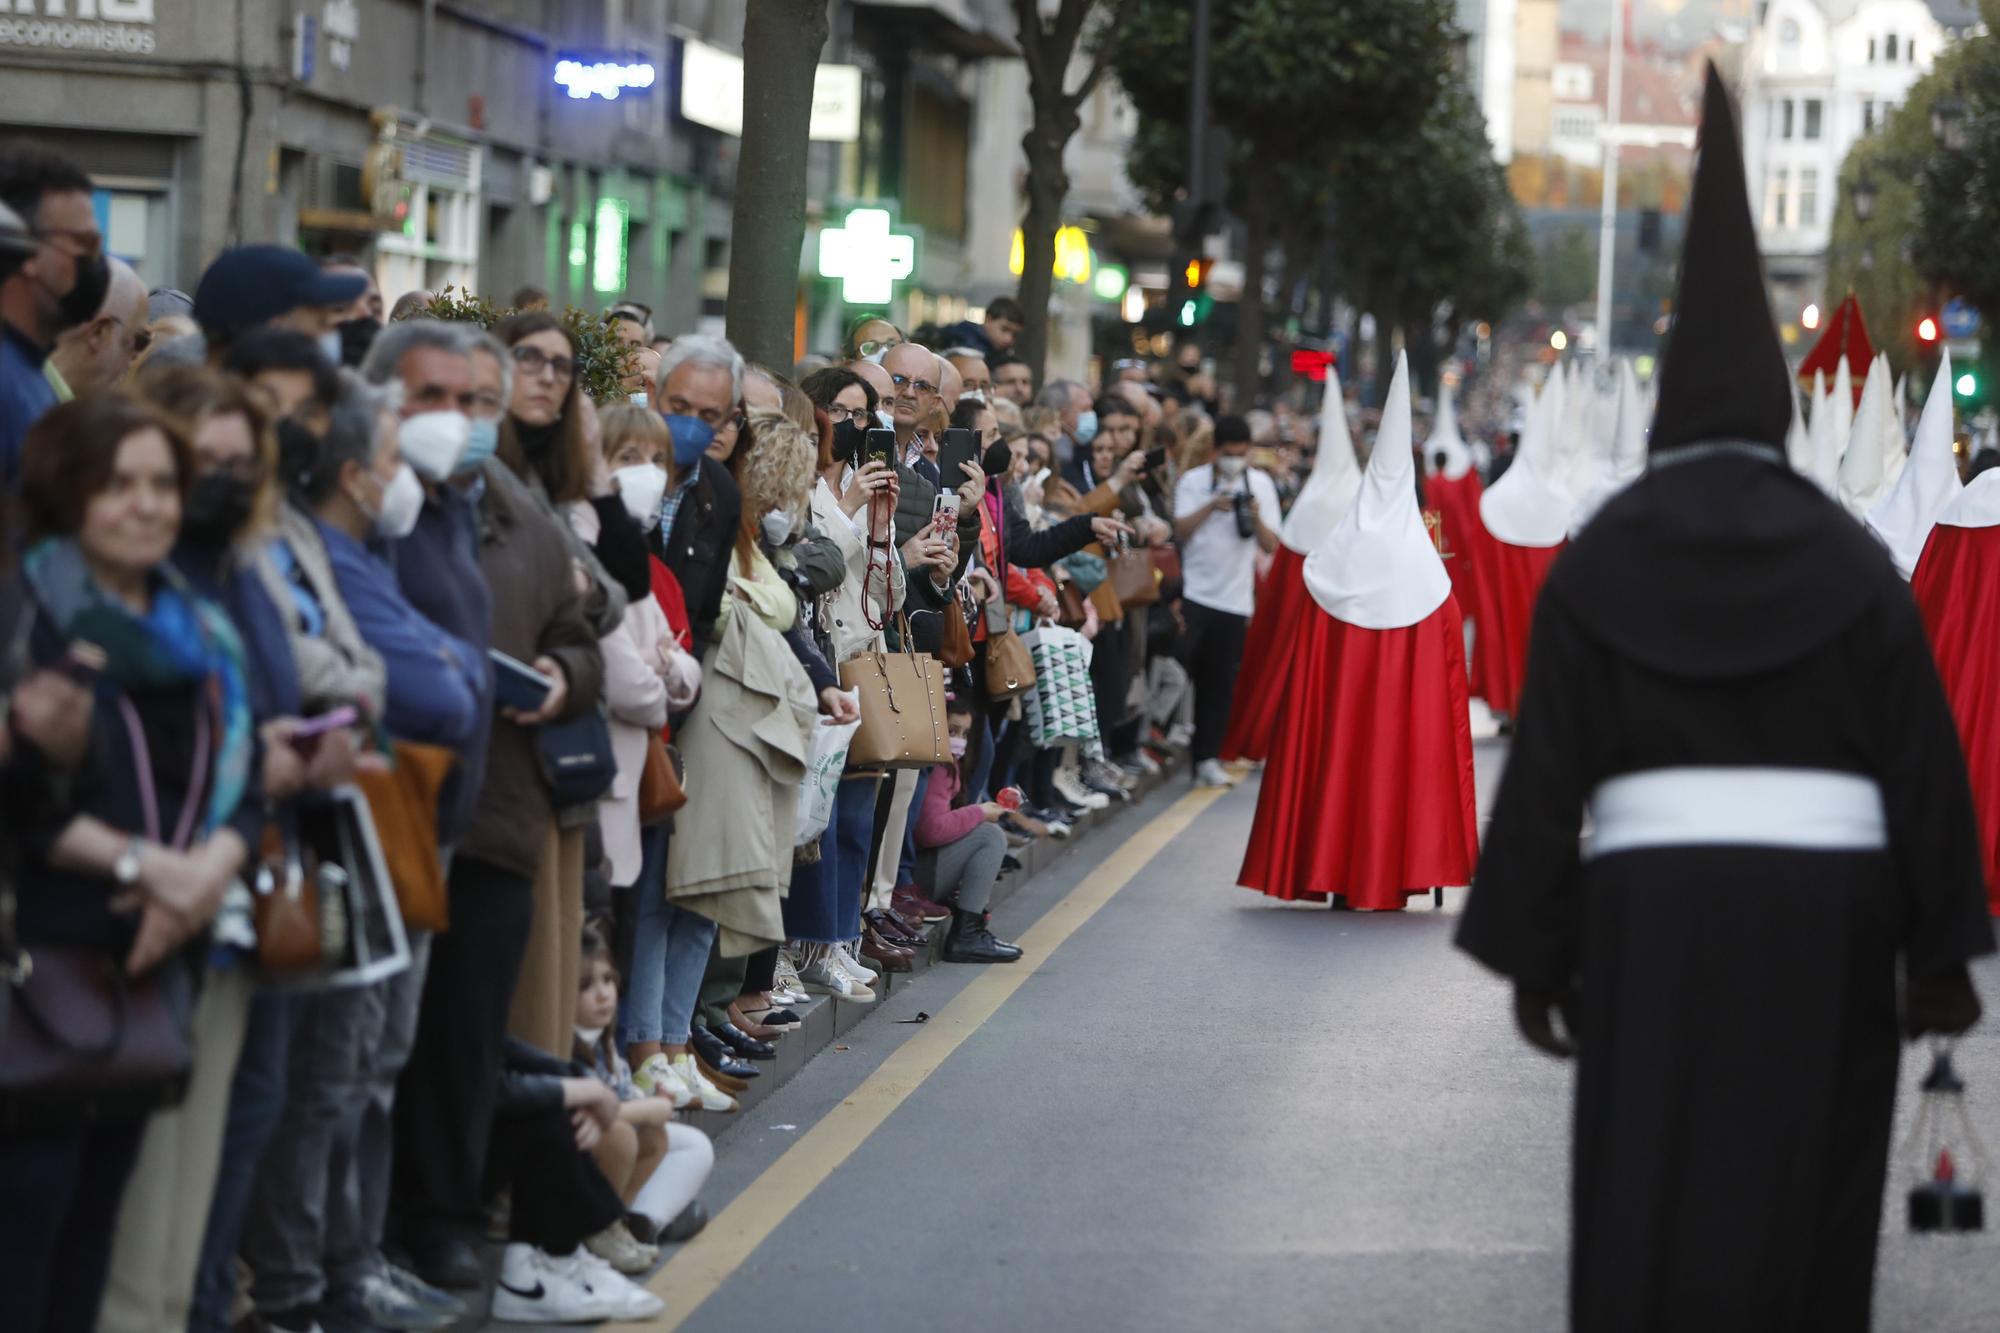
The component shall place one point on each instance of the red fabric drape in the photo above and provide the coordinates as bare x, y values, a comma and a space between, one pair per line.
1508, 584
1368, 791
1466, 539
1957, 586
1261, 682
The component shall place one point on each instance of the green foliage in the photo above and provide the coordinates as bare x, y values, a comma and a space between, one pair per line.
1956, 210
1569, 269
602, 359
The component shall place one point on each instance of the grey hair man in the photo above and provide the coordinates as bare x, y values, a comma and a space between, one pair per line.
432, 360
95, 355
1070, 400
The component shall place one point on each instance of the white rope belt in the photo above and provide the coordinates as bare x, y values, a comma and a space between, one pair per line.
1807, 808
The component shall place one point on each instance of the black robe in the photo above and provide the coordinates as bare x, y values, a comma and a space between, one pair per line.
1736, 1014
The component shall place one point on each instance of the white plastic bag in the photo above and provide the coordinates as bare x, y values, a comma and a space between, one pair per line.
823, 769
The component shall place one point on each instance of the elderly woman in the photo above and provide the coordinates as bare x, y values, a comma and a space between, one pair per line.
154, 833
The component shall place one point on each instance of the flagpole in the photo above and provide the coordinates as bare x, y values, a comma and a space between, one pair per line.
1607, 220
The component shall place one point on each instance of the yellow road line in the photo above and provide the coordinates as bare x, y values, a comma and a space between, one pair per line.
703, 1265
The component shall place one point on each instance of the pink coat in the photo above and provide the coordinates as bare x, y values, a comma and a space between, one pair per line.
939, 825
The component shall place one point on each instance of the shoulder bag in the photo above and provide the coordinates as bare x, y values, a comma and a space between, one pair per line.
404, 805
661, 791
577, 761
902, 710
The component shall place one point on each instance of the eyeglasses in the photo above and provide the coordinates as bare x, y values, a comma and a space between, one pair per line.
922, 388
874, 345
532, 362
837, 414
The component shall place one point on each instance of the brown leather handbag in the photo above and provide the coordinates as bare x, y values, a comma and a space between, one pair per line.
902, 711
404, 805
955, 647
1070, 602
660, 789
1010, 667
1133, 577
286, 907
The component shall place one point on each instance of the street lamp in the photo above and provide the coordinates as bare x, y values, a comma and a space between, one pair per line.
1948, 122
1863, 197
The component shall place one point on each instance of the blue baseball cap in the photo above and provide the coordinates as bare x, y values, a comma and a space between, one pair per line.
253, 284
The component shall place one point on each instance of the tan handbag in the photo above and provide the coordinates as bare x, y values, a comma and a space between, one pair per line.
955, 645
404, 805
286, 907
1010, 667
1133, 576
1105, 598
660, 789
902, 711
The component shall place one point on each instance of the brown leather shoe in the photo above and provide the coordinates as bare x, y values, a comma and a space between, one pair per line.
891, 929
889, 957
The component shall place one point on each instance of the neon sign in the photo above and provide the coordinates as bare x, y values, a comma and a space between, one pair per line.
588, 76
867, 255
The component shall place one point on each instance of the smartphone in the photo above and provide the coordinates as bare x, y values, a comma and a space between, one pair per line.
959, 446
1040, 477
517, 685
305, 737
880, 447
1156, 459
944, 513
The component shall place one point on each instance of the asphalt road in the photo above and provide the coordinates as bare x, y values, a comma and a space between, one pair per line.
1209, 1111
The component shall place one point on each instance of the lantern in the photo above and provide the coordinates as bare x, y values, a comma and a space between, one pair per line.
1947, 1161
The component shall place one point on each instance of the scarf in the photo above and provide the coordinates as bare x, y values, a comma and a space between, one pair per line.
181, 640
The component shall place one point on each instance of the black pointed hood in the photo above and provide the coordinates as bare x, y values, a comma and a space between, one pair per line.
1723, 375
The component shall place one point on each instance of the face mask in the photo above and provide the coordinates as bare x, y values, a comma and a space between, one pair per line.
217, 508
589, 1036
640, 399
329, 346
1086, 426
885, 418
874, 358
402, 502
998, 460
958, 747
777, 527
973, 396
1231, 468
356, 337
691, 436
482, 438
433, 442
849, 438
642, 486
79, 306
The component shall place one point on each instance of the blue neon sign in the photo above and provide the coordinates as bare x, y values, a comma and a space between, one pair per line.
587, 76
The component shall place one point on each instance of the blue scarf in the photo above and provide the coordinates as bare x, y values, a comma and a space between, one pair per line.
182, 640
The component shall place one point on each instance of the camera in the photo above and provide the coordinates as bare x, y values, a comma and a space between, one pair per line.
1246, 521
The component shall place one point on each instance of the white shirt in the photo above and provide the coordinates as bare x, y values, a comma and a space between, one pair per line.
1218, 567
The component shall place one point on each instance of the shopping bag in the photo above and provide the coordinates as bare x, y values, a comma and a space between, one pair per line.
1062, 706
830, 741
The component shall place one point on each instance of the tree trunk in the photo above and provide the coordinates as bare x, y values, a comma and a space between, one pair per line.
1385, 357
781, 42
1421, 342
1048, 186
1250, 305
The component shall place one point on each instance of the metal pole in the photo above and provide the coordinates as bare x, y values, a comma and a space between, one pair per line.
1607, 219
1198, 107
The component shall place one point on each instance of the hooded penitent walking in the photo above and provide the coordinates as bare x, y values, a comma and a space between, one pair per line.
1263, 681
1729, 675
1453, 490
1526, 514
1368, 791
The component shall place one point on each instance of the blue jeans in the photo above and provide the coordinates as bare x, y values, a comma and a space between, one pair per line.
256, 1104
828, 910
669, 955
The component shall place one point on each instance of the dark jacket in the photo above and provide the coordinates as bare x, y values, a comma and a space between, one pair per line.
531, 1081
523, 553
697, 551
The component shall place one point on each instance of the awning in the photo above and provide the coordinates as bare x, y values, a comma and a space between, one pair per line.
958, 26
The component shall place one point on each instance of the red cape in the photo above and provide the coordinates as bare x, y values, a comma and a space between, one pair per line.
1282, 607
1466, 538
1508, 583
1368, 791
1957, 587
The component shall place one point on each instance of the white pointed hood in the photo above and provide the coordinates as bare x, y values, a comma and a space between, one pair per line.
1896, 447
1903, 519
1825, 462
1798, 442
1628, 449
1379, 569
1864, 467
1446, 440
1335, 478
1582, 450
1529, 506
1843, 405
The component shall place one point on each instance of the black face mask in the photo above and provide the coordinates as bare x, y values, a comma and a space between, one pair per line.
849, 439
998, 459
217, 509
356, 337
80, 305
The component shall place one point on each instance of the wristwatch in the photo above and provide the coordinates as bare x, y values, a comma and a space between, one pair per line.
126, 868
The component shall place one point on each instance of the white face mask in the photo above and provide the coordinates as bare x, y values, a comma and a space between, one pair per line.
1231, 468
973, 396
885, 418
642, 486
402, 502
329, 346
777, 527
589, 1036
433, 442
640, 399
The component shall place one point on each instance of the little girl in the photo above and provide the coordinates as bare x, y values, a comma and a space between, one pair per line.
959, 851
655, 1169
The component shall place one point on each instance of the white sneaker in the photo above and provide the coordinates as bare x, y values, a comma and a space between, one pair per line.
1069, 784
703, 1094
853, 966
537, 1289
1211, 773
785, 987
1180, 736
657, 1077
823, 976
1147, 764
619, 1248
629, 1297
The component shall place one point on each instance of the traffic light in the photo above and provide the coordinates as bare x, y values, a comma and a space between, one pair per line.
1927, 330
1966, 385
1196, 273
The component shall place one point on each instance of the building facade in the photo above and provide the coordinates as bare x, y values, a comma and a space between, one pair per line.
1817, 76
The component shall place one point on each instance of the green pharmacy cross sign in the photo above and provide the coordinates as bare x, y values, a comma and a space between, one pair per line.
868, 256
